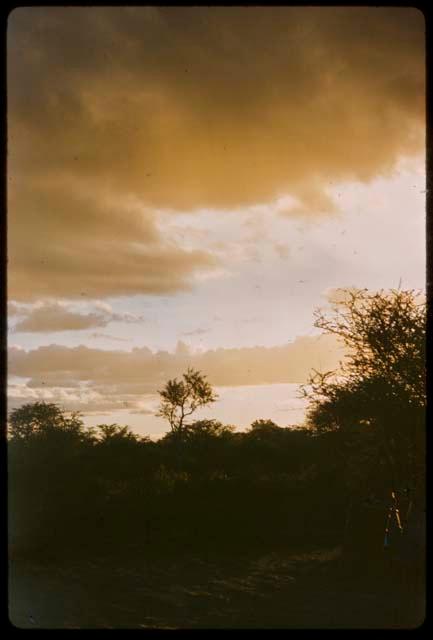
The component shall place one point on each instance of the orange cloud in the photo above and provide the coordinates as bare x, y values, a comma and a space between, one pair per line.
128, 376
185, 107
54, 316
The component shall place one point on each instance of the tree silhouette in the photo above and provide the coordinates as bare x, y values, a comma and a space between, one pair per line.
115, 434
181, 398
43, 418
381, 383
207, 429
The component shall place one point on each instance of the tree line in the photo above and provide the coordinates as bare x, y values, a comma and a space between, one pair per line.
206, 485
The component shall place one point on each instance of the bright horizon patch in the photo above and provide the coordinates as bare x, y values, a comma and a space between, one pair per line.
193, 181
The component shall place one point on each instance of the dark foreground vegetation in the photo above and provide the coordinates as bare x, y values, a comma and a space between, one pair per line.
320, 526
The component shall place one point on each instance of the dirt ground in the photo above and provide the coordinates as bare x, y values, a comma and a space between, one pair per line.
276, 590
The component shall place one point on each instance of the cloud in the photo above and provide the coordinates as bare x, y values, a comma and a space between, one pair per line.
339, 295
282, 250
55, 316
78, 398
15, 309
196, 332
115, 113
75, 245
107, 336
124, 379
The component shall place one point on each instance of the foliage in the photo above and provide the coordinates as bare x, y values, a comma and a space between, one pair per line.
381, 383
207, 429
42, 418
114, 434
205, 483
115, 490
262, 425
181, 398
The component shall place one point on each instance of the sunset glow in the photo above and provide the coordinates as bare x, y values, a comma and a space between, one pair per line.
186, 186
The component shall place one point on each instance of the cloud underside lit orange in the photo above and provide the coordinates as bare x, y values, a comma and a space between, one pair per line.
114, 113
113, 376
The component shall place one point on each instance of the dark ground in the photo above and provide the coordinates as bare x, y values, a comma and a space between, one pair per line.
313, 589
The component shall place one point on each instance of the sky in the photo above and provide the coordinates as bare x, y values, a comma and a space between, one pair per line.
186, 185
